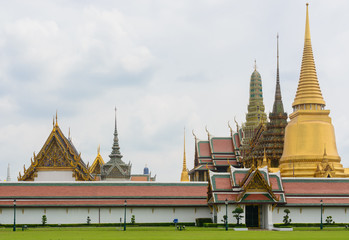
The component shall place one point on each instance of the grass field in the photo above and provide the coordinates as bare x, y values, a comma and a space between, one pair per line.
153, 233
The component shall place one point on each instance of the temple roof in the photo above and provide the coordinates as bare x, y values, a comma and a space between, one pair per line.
309, 191
103, 194
217, 152
97, 164
58, 153
246, 185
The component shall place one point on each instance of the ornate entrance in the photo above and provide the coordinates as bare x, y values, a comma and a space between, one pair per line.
252, 216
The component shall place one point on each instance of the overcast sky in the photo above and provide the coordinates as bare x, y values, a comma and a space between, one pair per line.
165, 65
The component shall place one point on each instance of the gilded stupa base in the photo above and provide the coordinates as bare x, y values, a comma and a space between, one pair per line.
317, 167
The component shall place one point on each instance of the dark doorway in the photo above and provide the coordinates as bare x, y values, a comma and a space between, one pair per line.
252, 216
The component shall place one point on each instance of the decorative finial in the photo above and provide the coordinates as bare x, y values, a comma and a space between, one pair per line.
255, 65
192, 132
99, 149
237, 125
56, 118
53, 121
231, 130
208, 133
69, 134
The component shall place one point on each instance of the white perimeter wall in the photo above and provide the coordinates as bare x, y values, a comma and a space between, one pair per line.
103, 215
312, 214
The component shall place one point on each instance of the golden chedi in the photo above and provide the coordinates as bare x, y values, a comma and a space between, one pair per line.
310, 146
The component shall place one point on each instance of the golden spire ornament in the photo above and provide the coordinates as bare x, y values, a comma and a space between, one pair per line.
184, 175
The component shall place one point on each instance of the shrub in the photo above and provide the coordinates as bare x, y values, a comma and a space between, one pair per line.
329, 220
287, 220
237, 214
133, 219
200, 221
224, 220
88, 220
44, 220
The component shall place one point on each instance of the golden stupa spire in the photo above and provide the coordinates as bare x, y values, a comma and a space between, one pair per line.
308, 91
184, 175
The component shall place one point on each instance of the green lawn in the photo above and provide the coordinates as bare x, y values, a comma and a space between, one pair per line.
151, 233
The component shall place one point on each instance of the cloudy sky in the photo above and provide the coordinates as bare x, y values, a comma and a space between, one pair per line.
165, 65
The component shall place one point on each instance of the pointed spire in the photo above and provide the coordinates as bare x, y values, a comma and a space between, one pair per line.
308, 91
184, 175
184, 157
8, 179
115, 154
99, 149
255, 65
56, 119
278, 106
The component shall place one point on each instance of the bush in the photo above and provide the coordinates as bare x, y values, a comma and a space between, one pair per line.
88, 220
237, 214
214, 225
329, 220
44, 220
133, 219
287, 220
200, 221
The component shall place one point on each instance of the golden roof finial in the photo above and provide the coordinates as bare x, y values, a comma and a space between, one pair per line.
208, 133
184, 175
99, 149
231, 130
265, 160
192, 131
255, 65
308, 91
53, 121
56, 118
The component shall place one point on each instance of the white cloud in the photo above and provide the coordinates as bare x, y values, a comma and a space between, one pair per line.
165, 65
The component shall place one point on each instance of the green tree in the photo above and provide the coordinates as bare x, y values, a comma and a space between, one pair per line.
44, 220
224, 219
133, 219
237, 214
287, 220
329, 220
88, 220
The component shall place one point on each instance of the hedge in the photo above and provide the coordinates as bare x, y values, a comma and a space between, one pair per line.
281, 225
223, 225
165, 224
200, 221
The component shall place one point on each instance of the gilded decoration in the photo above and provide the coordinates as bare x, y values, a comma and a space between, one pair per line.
58, 153
310, 132
255, 182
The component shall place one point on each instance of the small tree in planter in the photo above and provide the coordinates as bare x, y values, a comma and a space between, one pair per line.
133, 219
88, 220
44, 220
287, 220
237, 214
